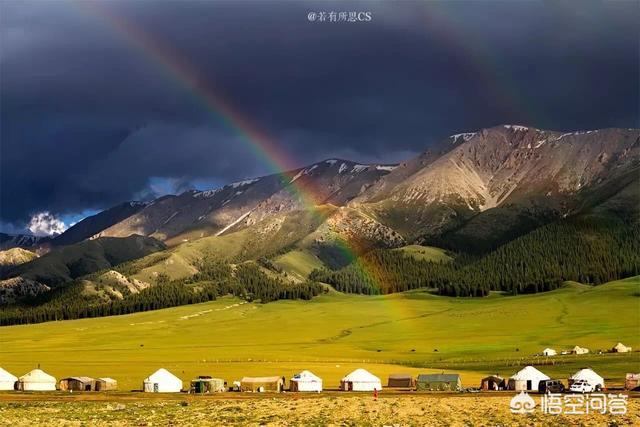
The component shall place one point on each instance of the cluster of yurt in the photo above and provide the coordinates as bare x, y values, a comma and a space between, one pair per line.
38, 380
529, 379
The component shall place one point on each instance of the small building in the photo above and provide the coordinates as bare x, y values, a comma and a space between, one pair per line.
401, 381
36, 380
549, 352
77, 384
305, 381
632, 382
439, 382
7, 380
162, 381
579, 350
207, 384
493, 382
590, 376
262, 384
360, 380
527, 379
106, 384
621, 348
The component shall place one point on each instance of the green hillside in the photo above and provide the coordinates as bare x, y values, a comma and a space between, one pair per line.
66, 263
335, 333
426, 253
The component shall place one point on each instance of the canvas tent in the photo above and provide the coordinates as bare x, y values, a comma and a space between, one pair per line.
440, 382
493, 382
360, 380
106, 384
162, 381
549, 352
590, 376
527, 379
305, 381
621, 348
36, 380
579, 350
77, 384
401, 381
207, 384
7, 380
262, 384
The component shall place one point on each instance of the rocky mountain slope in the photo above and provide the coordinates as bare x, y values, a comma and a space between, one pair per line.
502, 176
196, 214
14, 257
471, 192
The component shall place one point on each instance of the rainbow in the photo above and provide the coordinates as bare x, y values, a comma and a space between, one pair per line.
263, 147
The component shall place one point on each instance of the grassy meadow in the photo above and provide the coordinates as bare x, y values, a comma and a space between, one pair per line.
335, 333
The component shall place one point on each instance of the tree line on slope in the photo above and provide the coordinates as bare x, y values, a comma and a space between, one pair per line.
213, 279
583, 250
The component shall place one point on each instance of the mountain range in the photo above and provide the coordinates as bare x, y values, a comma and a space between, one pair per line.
469, 193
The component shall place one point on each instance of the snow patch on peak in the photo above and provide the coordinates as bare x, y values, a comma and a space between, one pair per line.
343, 167
516, 127
359, 168
465, 136
331, 161
243, 183
208, 193
385, 168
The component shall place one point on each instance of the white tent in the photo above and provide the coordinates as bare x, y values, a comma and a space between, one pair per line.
360, 380
7, 381
162, 381
306, 381
579, 350
527, 379
549, 352
36, 380
621, 348
589, 375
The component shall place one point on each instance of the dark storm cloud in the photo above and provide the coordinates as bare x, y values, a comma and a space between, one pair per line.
90, 118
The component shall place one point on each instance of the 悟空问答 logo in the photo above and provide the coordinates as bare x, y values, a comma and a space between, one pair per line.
522, 403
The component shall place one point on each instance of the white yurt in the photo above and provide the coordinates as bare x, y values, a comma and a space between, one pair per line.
526, 379
306, 381
549, 352
162, 381
360, 380
7, 380
590, 376
36, 380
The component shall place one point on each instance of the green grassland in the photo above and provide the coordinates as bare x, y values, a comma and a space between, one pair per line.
335, 333
426, 253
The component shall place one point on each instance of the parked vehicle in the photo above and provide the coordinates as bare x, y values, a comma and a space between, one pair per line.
582, 386
551, 386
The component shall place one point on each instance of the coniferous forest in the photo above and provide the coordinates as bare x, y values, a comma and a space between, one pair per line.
580, 250
214, 279
586, 250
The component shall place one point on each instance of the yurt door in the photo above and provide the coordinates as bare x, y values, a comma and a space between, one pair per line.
156, 387
529, 385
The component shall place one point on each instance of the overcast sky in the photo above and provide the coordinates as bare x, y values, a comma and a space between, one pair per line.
103, 103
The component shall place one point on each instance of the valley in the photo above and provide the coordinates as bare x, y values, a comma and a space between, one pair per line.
335, 333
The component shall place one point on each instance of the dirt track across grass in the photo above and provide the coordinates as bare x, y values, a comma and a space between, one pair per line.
288, 409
